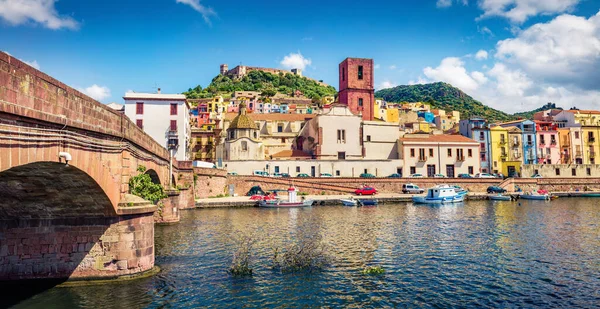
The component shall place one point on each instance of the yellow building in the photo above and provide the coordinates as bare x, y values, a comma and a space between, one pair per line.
217, 105
589, 123
504, 152
392, 115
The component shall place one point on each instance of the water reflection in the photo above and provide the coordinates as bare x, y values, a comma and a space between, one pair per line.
480, 254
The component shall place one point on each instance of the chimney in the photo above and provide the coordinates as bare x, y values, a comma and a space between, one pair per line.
158, 91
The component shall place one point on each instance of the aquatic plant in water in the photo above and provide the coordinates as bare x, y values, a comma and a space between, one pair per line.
240, 264
373, 270
306, 253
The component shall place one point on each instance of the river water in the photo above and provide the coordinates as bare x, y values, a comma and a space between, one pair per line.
480, 254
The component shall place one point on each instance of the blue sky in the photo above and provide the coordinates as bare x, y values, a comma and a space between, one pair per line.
511, 54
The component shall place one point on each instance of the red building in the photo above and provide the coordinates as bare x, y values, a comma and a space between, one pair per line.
357, 86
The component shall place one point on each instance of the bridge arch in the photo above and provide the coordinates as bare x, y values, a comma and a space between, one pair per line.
154, 176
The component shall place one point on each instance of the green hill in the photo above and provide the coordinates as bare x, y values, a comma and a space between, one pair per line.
443, 96
529, 114
267, 83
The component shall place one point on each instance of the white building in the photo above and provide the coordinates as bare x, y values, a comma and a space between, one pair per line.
165, 117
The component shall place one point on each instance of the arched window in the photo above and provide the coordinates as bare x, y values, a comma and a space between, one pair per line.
255, 134
244, 146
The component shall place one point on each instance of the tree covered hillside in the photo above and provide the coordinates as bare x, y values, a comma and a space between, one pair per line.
443, 96
267, 83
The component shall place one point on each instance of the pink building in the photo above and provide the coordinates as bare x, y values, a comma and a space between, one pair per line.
547, 142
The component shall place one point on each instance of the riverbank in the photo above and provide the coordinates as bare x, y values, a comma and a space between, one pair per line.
331, 200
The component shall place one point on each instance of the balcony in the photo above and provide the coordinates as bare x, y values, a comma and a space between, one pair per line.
529, 143
516, 156
516, 144
422, 158
578, 154
460, 158
502, 142
591, 139
173, 139
542, 142
592, 154
553, 143
503, 155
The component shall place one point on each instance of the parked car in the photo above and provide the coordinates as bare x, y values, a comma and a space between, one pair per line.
367, 175
439, 176
465, 176
416, 176
395, 175
326, 175
232, 173
513, 175
285, 175
261, 173
483, 175
302, 175
536, 176
411, 188
366, 191
495, 189
276, 174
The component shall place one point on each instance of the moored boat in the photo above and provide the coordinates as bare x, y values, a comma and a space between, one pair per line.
442, 194
460, 190
500, 197
596, 194
290, 203
370, 202
535, 196
349, 202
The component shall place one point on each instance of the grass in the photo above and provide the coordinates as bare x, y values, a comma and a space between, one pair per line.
373, 270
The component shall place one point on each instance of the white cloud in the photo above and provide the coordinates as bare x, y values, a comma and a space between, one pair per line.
18, 12
448, 3
387, 84
452, 70
393, 67
96, 92
510, 82
206, 12
33, 63
566, 49
481, 55
519, 11
377, 66
419, 81
485, 31
295, 61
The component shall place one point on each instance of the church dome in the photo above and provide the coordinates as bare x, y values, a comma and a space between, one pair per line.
242, 120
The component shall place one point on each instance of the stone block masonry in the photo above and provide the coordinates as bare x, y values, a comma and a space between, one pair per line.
76, 248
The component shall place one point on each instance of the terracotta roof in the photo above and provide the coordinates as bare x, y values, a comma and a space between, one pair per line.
575, 111
291, 154
513, 129
273, 116
443, 138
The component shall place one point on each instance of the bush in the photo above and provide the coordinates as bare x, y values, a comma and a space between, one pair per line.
306, 253
373, 270
142, 186
240, 264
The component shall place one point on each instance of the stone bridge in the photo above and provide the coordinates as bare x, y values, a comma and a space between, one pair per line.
74, 220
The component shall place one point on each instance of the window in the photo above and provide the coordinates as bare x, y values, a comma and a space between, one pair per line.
360, 102
413, 170
140, 123
139, 108
244, 146
557, 171
341, 155
470, 170
283, 140
449, 152
481, 136
495, 164
573, 172
576, 135
431, 152
174, 108
173, 125
422, 154
280, 127
337, 173
470, 153
255, 135
412, 152
276, 169
297, 169
366, 171
343, 74
588, 171
542, 140
341, 136
368, 138
360, 72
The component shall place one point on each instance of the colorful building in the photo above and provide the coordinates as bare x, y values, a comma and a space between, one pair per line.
430, 154
503, 155
528, 137
586, 143
548, 149
477, 129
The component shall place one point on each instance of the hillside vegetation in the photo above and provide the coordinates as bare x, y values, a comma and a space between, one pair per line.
443, 96
529, 114
267, 83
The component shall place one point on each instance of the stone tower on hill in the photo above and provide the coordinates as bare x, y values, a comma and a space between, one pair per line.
357, 86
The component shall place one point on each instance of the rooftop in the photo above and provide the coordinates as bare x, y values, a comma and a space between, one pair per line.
577, 111
291, 154
272, 117
442, 138
156, 96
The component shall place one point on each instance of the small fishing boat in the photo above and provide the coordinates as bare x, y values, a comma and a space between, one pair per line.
500, 197
596, 194
368, 202
290, 203
349, 202
442, 194
535, 196
460, 190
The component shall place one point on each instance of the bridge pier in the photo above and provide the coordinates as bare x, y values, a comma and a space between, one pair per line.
77, 248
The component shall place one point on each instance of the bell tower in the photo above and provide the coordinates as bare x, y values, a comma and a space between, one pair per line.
357, 86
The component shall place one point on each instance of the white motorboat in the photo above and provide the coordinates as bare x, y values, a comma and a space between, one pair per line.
349, 202
442, 194
290, 203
